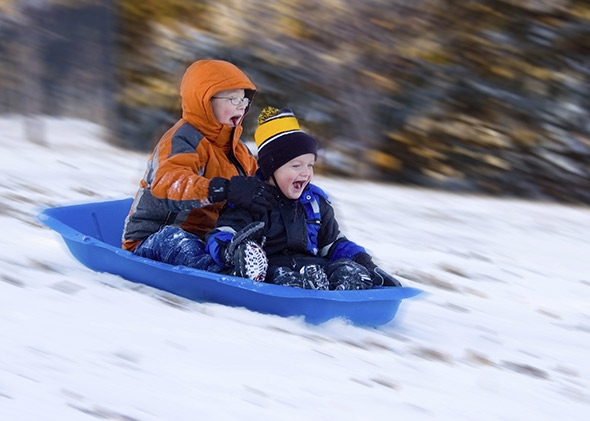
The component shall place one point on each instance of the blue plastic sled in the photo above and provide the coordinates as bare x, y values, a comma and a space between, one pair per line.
92, 232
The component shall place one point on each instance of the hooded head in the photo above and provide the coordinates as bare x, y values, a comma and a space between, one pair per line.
202, 80
279, 139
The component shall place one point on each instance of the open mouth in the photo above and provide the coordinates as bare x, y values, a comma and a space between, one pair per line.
298, 185
235, 120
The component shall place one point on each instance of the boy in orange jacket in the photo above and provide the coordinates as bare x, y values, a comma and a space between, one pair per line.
198, 165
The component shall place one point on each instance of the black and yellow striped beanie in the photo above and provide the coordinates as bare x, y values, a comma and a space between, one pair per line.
279, 139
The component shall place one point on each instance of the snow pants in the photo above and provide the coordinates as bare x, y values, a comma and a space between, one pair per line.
175, 246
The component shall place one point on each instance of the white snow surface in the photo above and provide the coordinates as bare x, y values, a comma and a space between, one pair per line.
501, 333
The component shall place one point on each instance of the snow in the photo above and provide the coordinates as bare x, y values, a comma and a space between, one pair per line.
502, 332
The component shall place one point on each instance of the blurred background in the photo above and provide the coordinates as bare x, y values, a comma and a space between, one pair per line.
487, 96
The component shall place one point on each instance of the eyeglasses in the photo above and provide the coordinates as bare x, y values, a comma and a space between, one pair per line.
234, 101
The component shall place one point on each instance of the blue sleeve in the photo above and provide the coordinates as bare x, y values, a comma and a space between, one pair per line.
346, 249
216, 244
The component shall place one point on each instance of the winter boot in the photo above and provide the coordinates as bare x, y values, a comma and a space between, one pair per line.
345, 274
286, 277
314, 277
252, 232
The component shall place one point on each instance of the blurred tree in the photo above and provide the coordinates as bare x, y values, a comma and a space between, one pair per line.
483, 95
58, 55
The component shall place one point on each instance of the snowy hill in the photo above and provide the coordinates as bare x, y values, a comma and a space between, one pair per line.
502, 334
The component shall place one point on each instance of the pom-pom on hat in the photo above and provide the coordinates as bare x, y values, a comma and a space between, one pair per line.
279, 139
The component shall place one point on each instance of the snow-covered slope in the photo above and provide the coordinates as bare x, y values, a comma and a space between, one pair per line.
503, 332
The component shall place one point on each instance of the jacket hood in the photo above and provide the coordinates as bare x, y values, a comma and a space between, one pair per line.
202, 80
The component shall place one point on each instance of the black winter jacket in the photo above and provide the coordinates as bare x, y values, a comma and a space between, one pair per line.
298, 232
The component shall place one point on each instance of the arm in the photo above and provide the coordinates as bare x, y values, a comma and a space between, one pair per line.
176, 178
176, 173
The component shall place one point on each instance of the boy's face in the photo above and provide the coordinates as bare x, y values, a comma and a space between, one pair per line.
227, 113
293, 176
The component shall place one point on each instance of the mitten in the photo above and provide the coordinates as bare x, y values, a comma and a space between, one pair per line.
250, 193
382, 278
379, 277
346, 274
245, 253
251, 232
222, 245
250, 261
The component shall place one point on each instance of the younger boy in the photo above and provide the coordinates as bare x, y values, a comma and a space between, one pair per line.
301, 237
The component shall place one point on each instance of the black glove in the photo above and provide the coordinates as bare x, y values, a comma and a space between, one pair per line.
251, 232
245, 253
250, 193
379, 277
382, 278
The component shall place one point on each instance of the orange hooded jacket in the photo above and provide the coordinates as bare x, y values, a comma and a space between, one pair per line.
175, 187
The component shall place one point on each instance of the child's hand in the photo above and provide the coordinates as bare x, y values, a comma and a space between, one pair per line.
379, 277
251, 232
382, 278
250, 193
245, 253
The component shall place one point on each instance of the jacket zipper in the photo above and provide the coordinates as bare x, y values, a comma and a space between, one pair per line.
232, 157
